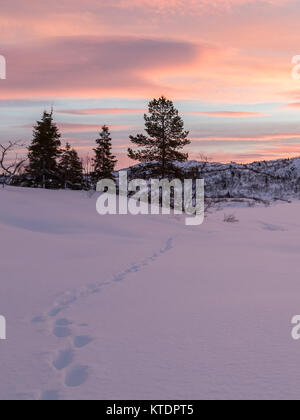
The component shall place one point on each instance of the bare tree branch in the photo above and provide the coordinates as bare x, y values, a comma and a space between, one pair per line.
10, 166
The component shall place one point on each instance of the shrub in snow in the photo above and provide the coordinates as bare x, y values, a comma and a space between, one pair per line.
230, 218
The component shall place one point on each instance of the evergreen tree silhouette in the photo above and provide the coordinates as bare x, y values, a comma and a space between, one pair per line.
104, 161
71, 170
165, 137
43, 153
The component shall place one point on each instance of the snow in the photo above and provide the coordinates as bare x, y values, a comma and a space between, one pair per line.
145, 307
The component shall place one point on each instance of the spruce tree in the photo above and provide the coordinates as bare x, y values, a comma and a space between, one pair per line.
165, 137
43, 153
104, 161
70, 168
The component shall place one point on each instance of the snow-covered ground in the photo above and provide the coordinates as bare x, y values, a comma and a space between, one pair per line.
144, 307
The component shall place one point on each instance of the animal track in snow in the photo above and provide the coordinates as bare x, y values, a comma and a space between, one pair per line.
63, 322
77, 376
64, 359
62, 328
136, 267
82, 341
50, 395
62, 332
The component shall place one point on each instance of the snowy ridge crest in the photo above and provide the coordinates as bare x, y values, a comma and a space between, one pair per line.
265, 180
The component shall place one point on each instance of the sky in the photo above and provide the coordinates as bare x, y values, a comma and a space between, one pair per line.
226, 64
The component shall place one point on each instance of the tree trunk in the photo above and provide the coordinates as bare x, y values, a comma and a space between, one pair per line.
164, 150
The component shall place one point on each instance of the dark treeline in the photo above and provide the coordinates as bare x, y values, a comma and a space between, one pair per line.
49, 165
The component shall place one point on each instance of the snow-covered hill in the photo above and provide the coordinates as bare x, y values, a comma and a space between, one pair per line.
267, 180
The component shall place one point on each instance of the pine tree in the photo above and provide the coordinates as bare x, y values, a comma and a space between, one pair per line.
104, 161
166, 136
43, 153
71, 169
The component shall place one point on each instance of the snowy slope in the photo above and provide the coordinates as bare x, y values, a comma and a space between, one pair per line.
266, 180
125, 307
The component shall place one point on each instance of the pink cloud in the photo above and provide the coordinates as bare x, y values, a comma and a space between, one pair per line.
192, 6
229, 114
211, 51
91, 66
256, 137
100, 111
82, 128
294, 105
